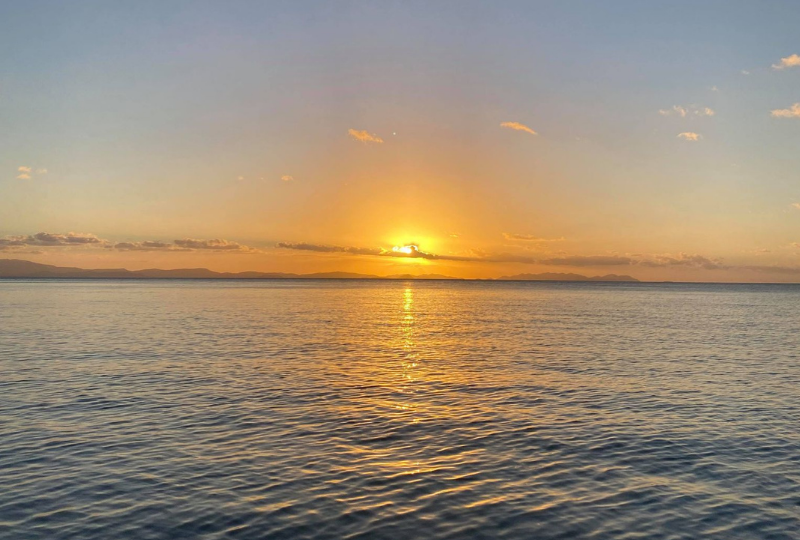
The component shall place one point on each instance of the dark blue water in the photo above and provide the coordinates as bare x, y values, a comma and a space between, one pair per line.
398, 410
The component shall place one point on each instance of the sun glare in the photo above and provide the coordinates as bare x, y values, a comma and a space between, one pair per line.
407, 249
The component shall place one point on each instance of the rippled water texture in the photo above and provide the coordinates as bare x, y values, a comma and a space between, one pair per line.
398, 410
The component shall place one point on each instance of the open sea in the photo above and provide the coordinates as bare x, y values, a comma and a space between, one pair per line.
300, 409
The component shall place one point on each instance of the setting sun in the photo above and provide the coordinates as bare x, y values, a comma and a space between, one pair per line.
408, 249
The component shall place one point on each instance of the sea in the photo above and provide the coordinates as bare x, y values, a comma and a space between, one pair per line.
371, 409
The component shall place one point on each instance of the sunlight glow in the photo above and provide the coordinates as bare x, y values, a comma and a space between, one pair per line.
408, 249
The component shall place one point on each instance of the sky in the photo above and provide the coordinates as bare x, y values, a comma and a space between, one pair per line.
471, 139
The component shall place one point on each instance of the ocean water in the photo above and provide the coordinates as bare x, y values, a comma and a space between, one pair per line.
398, 410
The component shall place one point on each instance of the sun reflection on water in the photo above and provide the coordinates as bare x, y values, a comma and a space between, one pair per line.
410, 355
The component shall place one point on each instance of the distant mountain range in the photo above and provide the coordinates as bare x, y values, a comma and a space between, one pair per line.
16, 268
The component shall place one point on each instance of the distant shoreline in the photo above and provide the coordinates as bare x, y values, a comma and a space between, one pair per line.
455, 279
22, 269
18, 269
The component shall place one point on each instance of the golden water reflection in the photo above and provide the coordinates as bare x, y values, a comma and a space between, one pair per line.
410, 355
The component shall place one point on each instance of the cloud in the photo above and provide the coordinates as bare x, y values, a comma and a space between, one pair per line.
216, 244
69, 239
519, 127
147, 245
714, 89
683, 112
796, 205
407, 251
591, 260
364, 136
44, 239
321, 248
530, 238
413, 251
682, 259
287, 178
675, 110
790, 61
72, 239
744, 72
26, 173
184, 245
792, 112
689, 136
792, 270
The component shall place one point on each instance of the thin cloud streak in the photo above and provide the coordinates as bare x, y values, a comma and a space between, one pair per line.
413, 251
518, 126
530, 238
689, 136
73, 239
683, 112
364, 136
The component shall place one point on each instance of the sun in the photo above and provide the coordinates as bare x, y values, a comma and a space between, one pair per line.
408, 249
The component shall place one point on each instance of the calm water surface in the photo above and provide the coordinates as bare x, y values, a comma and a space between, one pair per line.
398, 410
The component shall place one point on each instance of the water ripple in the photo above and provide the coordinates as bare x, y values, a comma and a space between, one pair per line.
370, 410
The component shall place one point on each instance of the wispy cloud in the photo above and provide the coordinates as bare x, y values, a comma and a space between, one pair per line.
73, 239
796, 205
26, 173
683, 112
578, 261
689, 136
183, 245
530, 238
588, 260
364, 136
681, 259
518, 126
675, 110
148, 245
287, 178
408, 251
791, 112
215, 244
744, 72
790, 61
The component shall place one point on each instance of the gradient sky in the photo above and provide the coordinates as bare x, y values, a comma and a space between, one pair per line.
316, 136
